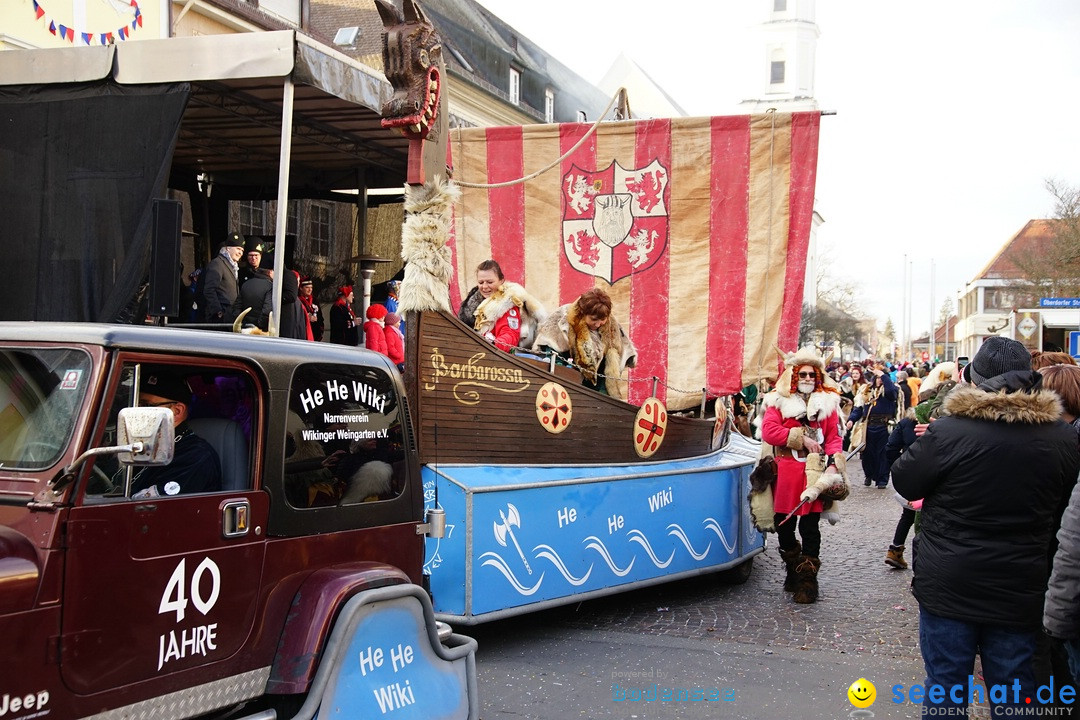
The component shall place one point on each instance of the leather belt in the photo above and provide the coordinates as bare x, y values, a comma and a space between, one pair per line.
875, 420
789, 453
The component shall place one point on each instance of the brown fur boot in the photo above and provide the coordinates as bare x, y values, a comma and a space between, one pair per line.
791, 559
895, 557
806, 587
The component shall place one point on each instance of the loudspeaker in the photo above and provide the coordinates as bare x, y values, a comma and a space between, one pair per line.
164, 291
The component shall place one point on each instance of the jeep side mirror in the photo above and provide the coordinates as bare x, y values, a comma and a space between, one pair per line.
145, 435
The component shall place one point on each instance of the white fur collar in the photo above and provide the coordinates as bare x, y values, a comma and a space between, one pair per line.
819, 407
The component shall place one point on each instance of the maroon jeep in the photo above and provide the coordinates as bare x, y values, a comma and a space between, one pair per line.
284, 585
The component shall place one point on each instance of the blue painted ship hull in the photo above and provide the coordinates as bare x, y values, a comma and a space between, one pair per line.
521, 538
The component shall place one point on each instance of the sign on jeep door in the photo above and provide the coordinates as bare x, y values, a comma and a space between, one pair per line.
154, 586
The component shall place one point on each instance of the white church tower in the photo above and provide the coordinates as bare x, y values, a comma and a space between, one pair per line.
784, 61
783, 69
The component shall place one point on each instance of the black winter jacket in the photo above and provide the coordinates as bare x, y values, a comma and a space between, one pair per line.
993, 474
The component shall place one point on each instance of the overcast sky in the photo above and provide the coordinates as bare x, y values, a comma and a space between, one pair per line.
949, 115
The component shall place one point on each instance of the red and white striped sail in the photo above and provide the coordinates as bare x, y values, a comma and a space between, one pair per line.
697, 227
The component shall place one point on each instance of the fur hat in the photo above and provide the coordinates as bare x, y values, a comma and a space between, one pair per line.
376, 312
807, 355
997, 356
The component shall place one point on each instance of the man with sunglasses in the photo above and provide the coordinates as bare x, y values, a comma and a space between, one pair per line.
801, 429
195, 467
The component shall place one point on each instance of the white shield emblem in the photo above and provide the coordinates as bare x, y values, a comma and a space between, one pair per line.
612, 220
615, 221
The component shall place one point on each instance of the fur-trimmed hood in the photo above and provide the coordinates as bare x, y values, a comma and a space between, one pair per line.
1040, 407
508, 295
819, 406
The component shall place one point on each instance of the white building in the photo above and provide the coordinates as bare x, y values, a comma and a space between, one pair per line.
784, 63
993, 303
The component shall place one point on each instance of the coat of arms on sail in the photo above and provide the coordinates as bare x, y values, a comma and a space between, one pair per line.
615, 221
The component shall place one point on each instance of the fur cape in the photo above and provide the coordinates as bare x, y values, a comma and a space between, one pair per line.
507, 296
566, 333
428, 263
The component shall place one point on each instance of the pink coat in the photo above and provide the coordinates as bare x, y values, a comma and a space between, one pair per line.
790, 473
395, 344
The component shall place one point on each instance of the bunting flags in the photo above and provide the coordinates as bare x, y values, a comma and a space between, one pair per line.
89, 38
697, 228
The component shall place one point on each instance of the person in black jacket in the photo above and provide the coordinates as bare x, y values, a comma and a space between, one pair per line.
878, 408
992, 473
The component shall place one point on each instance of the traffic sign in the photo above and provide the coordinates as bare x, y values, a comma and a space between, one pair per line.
925, 356
1059, 302
1074, 343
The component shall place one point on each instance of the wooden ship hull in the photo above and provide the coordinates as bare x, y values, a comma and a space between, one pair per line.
472, 401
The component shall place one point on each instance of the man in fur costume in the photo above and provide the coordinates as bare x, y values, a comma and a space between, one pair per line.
802, 426
587, 333
508, 315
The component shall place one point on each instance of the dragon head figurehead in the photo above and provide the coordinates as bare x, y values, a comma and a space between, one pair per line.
412, 61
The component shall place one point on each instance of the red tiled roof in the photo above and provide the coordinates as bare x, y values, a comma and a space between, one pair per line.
1031, 240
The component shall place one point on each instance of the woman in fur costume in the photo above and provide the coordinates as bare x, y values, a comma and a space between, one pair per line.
587, 333
506, 315
802, 425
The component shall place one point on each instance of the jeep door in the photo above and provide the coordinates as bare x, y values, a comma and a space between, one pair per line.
164, 588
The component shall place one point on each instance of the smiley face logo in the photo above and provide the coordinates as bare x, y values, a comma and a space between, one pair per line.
862, 693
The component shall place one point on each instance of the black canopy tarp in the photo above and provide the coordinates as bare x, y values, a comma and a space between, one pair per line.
79, 166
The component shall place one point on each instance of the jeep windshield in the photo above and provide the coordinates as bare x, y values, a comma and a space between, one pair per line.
41, 393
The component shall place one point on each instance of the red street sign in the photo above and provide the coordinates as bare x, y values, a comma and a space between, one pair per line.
925, 356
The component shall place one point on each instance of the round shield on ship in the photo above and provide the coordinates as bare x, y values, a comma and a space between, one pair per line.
649, 427
553, 407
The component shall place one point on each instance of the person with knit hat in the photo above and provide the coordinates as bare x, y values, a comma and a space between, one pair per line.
801, 430
992, 471
395, 341
374, 337
343, 321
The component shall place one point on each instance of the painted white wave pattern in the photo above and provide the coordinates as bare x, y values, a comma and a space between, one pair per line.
678, 532
499, 564
548, 552
712, 524
594, 543
639, 537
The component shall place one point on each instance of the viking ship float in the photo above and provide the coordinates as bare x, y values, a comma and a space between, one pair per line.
698, 230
